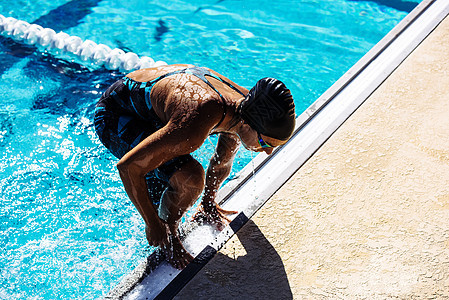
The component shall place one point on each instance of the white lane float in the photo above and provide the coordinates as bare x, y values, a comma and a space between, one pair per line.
86, 50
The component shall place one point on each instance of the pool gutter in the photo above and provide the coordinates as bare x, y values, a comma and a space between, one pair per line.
258, 181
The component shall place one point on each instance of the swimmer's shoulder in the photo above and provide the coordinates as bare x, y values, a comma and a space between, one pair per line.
144, 75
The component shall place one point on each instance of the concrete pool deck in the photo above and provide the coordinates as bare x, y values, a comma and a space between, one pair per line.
367, 215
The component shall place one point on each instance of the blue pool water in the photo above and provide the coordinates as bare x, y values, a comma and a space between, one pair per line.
67, 229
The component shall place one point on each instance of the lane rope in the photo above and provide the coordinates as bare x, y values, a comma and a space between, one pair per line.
87, 50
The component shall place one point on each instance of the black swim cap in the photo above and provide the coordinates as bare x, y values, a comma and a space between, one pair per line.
269, 109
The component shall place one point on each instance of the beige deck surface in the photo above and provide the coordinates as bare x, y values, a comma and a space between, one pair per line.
368, 215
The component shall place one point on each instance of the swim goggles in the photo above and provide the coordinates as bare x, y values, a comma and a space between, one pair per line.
262, 143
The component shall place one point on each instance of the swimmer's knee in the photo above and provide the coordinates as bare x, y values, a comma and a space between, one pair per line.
196, 174
190, 177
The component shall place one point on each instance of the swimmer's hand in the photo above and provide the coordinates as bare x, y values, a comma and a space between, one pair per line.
169, 242
176, 254
211, 213
157, 234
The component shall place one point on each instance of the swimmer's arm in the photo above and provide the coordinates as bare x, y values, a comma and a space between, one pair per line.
220, 165
165, 144
219, 168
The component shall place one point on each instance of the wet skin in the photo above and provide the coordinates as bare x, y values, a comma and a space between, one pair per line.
191, 111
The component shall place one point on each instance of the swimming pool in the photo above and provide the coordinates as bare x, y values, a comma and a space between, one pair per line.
67, 227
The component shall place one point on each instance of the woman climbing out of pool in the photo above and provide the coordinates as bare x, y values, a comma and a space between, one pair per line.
152, 119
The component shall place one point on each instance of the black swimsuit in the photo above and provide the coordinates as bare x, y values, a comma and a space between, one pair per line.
124, 116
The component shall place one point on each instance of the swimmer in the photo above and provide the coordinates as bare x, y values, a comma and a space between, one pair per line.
152, 119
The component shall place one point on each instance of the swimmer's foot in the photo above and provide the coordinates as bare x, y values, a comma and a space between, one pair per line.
176, 254
211, 213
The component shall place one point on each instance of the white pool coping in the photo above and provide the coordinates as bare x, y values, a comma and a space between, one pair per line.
155, 279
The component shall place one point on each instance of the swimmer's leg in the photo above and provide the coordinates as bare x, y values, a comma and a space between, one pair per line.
186, 185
